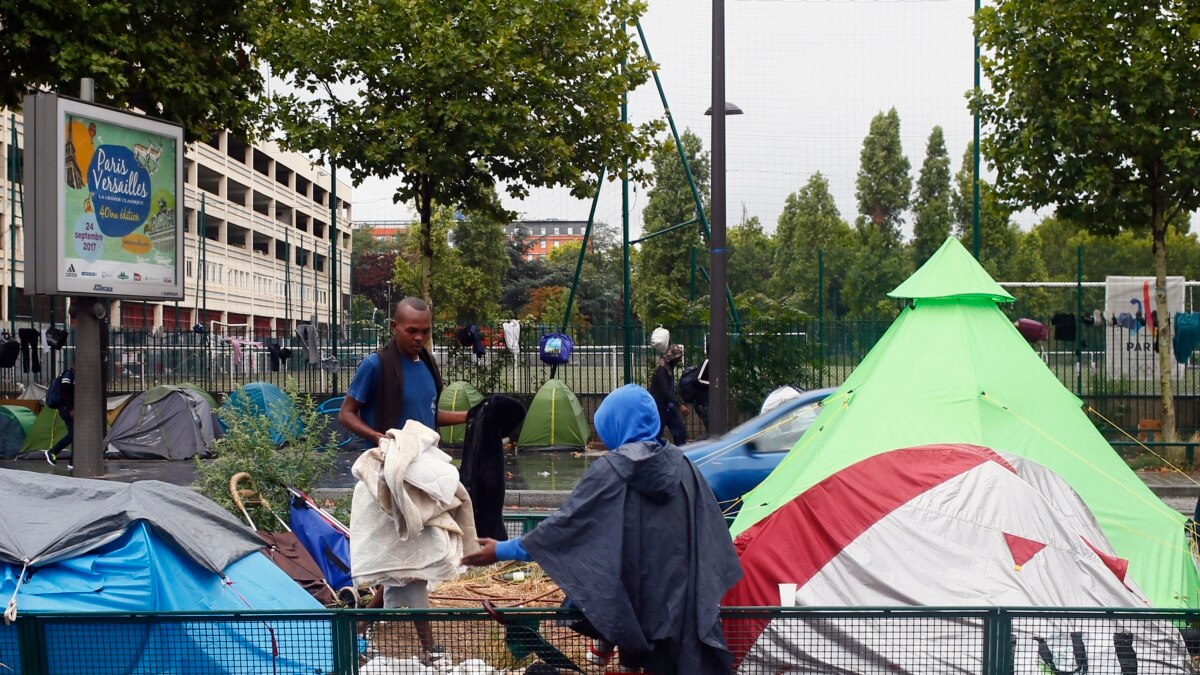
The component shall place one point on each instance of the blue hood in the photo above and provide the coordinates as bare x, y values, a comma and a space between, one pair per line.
627, 415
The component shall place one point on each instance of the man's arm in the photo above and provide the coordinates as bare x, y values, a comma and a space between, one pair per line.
350, 418
446, 418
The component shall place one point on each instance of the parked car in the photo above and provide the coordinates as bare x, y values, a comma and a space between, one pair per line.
733, 464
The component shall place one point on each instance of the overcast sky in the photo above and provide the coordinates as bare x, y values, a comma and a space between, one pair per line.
809, 76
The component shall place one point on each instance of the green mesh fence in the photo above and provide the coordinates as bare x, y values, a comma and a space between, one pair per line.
987, 641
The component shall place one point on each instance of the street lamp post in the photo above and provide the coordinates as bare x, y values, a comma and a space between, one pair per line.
718, 349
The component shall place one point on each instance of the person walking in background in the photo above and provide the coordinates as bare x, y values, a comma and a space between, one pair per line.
640, 547
662, 388
65, 403
398, 383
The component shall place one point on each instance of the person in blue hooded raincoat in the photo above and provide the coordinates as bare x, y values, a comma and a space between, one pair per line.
640, 546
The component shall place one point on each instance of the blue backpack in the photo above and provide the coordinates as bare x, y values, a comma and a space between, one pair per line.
555, 348
54, 393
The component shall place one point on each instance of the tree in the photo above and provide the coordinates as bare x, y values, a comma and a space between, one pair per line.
931, 204
879, 262
1098, 119
188, 61
884, 184
373, 264
523, 274
749, 250
598, 295
479, 244
456, 97
998, 235
810, 222
466, 289
662, 277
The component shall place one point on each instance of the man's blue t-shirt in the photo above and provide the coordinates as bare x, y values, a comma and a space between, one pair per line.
420, 392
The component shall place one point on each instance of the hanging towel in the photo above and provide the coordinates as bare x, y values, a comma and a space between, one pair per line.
512, 335
1187, 335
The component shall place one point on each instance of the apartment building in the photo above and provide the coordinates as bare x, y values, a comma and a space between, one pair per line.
259, 242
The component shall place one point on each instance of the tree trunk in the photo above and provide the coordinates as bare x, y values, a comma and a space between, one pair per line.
1162, 337
426, 210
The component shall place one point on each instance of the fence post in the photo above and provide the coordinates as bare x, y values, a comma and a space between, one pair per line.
345, 643
997, 645
31, 641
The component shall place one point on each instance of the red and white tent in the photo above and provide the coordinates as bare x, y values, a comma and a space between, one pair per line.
934, 526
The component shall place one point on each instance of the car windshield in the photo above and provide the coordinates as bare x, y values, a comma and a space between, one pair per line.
783, 433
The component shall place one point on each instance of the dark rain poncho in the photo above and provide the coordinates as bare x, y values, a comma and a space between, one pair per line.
641, 547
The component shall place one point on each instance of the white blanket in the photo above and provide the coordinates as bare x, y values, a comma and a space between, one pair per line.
411, 518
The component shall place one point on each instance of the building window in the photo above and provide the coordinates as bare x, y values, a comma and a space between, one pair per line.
189, 268
543, 243
556, 244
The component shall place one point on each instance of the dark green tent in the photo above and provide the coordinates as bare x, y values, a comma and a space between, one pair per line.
15, 422
555, 420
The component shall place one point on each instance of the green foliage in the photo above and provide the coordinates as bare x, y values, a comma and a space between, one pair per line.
298, 461
467, 281
457, 97
810, 222
883, 185
931, 205
878, 265
749, 249
998, 235
662, 275
598, 295
186, 61
766, 357
1094, 117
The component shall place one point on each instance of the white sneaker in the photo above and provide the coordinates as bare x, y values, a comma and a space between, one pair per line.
50, 458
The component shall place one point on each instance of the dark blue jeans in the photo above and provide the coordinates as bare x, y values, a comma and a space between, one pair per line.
68, 418
674, 422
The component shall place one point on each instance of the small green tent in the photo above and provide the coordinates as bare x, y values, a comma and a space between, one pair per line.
954, 369
15, 421
555, 420
45, 431
457, 397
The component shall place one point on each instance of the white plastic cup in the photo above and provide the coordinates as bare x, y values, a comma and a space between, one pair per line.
787, 595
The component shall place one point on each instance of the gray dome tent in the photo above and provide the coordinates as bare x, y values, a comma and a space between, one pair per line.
166, 422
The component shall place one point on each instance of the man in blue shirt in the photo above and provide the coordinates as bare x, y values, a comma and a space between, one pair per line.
397, 383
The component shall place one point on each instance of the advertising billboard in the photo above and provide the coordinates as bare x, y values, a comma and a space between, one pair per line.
108, 201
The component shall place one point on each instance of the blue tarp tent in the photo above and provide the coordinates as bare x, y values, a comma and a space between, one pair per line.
96, 546
266, 399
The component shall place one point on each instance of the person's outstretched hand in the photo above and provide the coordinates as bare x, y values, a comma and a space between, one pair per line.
486, 555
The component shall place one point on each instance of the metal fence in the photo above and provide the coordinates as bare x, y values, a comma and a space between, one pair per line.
472, 640
1105, 362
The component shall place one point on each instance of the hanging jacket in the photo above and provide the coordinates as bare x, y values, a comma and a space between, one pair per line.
489, 422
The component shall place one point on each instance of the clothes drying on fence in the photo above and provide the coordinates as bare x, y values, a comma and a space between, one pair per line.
512, 335
237, 344
489, 422
31, 361
310, 342
1064, 327
412, 518
1186, 335
10, 350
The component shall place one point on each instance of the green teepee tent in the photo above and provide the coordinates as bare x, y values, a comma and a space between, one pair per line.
953, 369
555, 420
457, 397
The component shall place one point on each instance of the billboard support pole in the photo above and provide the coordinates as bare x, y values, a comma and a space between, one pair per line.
87, 448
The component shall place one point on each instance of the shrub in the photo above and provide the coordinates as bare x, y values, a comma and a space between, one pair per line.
297, 461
